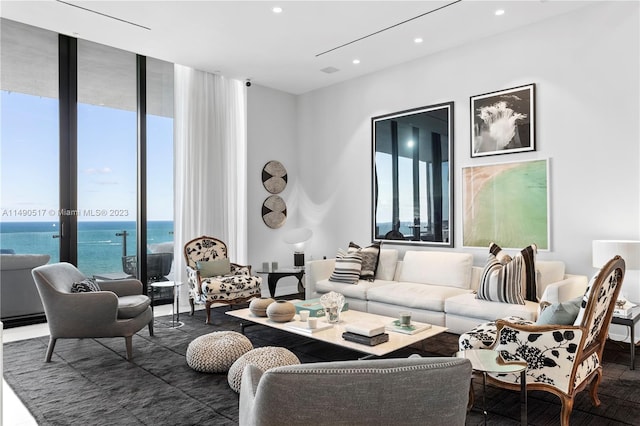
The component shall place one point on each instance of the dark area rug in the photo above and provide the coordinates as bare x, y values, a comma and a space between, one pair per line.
90, 382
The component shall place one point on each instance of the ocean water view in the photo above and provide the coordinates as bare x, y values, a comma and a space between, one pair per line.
100, 250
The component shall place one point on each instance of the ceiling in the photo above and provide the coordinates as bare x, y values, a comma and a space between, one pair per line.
286, 51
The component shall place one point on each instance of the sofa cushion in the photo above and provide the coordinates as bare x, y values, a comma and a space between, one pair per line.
370, 256
413, 295
347, 267
528, 274
358, 291
468, 306
548, 272
509, 280
562, 313
132, 306
501, 280
387, 262
437, 268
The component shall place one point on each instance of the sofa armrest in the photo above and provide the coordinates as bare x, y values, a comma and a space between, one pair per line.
569, 288
317, 270
250, 379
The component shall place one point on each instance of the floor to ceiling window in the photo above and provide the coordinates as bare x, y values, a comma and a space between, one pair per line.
104, 191
29, 197
106, 147
160, 169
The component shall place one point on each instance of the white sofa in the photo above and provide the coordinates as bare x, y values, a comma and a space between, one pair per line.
438, 288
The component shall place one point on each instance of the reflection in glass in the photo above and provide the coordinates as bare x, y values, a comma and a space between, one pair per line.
412, 189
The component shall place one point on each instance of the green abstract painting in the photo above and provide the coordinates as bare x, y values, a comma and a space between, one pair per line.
507, 204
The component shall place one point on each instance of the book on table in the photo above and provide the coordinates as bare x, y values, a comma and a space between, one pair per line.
625, 310
413, 328
366, 340
368, 329
304, 326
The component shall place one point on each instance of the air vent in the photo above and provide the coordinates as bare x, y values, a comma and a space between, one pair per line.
329, 70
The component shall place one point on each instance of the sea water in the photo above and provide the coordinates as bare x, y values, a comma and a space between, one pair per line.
100, 249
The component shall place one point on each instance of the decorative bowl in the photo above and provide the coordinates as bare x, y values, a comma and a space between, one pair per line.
258, 307
281, 311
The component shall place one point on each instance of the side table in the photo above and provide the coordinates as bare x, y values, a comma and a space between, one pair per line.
274, 276
175, 306
631, 323
488, 361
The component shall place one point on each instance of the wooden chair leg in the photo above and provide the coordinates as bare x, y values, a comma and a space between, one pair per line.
151, 327
207, 306
128, 340
593, 389
565, 413
193, 306
52, 344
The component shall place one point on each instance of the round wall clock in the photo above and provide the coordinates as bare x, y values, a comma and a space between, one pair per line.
274, 177
274, 211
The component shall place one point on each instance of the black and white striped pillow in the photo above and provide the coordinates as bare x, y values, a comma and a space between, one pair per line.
370, 257
347, 268
509, 280
85, 286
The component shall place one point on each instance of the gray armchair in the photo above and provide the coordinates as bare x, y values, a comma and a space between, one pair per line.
119, 309
411, 391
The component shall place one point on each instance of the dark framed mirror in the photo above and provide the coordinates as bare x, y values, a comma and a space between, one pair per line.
412, 187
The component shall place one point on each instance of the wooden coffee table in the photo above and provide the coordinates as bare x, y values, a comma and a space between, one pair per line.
333, 335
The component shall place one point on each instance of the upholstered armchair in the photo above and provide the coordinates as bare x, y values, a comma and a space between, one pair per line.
213, 278
114, 309
407, 391
561, 359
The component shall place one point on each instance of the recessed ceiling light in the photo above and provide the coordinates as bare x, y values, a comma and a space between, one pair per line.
418, 40
277, 9
499, 12
356, 61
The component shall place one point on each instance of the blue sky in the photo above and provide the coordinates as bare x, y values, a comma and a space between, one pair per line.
106, 162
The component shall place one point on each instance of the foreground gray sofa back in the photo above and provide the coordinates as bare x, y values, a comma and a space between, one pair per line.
407, 391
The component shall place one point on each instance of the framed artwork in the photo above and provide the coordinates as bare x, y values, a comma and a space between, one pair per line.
506, 203
503, 122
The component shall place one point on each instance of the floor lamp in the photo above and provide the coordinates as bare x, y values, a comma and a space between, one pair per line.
629, 250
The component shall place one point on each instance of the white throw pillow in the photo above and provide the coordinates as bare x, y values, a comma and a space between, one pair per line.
387, 264
437, 268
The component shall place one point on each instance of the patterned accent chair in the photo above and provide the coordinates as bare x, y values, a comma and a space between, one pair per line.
562, 359
238, 286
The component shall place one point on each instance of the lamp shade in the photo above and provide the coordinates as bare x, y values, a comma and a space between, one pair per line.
297, 237
604, 250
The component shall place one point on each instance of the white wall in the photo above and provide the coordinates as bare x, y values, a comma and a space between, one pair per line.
585, 66
271, 135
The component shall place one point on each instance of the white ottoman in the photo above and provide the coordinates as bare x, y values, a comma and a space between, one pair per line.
216, 352
263, 358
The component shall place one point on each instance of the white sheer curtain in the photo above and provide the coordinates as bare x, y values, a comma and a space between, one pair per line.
210, 145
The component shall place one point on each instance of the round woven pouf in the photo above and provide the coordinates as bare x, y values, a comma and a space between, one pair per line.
263, 358
216, 352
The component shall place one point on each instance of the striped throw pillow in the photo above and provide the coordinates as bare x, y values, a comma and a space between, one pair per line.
347, 268
509, 280
370, 257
